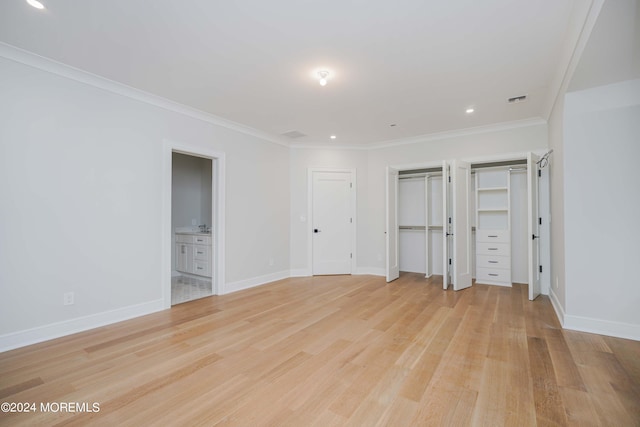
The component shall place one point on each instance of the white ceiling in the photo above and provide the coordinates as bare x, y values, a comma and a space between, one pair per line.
416, 63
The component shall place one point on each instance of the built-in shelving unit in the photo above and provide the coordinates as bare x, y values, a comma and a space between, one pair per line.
493, 227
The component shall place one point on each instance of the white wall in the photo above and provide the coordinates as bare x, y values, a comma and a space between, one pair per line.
557, 291
370, 165
602, 201
81, 201
301, 159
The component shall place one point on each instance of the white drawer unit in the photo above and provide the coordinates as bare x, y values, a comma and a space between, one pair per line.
492, 236
492, 261
493, 227
493, 276
499, 249
201, 240
193, 254
201, 252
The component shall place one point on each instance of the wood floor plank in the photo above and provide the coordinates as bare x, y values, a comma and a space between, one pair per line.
338, 350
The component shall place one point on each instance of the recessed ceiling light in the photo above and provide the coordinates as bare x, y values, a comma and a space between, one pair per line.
36, 4
469, 110
332, 137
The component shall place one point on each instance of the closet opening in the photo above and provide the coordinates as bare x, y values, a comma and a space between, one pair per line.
420, 221
471, 222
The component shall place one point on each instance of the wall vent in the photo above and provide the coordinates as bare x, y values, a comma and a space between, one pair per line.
517, 99
293, 134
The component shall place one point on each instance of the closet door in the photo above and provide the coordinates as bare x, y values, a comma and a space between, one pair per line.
461, 213
393, 261
534, 232
446, 225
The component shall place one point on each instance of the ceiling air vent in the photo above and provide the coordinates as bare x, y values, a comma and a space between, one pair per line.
293, 134
517, 99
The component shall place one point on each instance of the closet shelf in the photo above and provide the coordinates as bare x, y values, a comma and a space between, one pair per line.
412, 227
493, 210
493, 189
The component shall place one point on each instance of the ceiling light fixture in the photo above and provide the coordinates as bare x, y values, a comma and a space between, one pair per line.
36, 4
332, 137
323, 77
469, 110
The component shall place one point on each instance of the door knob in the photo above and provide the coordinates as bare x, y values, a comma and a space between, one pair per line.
316, 230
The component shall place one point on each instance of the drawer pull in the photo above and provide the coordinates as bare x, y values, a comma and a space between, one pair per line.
200, 268
493, 235
493, 249
492, 274
493, 262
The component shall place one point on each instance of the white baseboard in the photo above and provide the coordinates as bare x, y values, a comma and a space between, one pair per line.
374, 271
79, 324
254, 281
300, 272
557, 307
602, 327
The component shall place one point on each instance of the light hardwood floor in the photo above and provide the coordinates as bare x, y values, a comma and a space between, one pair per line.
341, 350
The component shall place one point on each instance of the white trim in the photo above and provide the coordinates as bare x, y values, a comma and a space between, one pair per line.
602, 327
36, 61
300, 272
78, 324
371, 271
354, 205
217, 209
429, 137
557, 307
255, 281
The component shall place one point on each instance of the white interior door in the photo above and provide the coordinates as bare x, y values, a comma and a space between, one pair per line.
427, 221
391, 191
446, 225
332, 221
461, 213
534, 231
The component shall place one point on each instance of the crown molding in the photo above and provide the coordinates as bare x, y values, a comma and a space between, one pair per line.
571, 58
496, 127
31, 59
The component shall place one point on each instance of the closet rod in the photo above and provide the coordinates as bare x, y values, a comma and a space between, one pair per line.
422, 175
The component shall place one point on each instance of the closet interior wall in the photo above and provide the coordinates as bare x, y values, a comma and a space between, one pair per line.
420, 223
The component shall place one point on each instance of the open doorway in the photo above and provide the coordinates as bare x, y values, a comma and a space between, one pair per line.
191, 220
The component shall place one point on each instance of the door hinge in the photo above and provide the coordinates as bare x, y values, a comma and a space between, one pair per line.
351, 220
449, 261
540, 269
449, 179
449, 220
351, 185
539, 221
351, 255
539, 173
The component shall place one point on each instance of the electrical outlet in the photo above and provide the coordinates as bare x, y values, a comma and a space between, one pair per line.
556, 282
68, 298
194, 222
